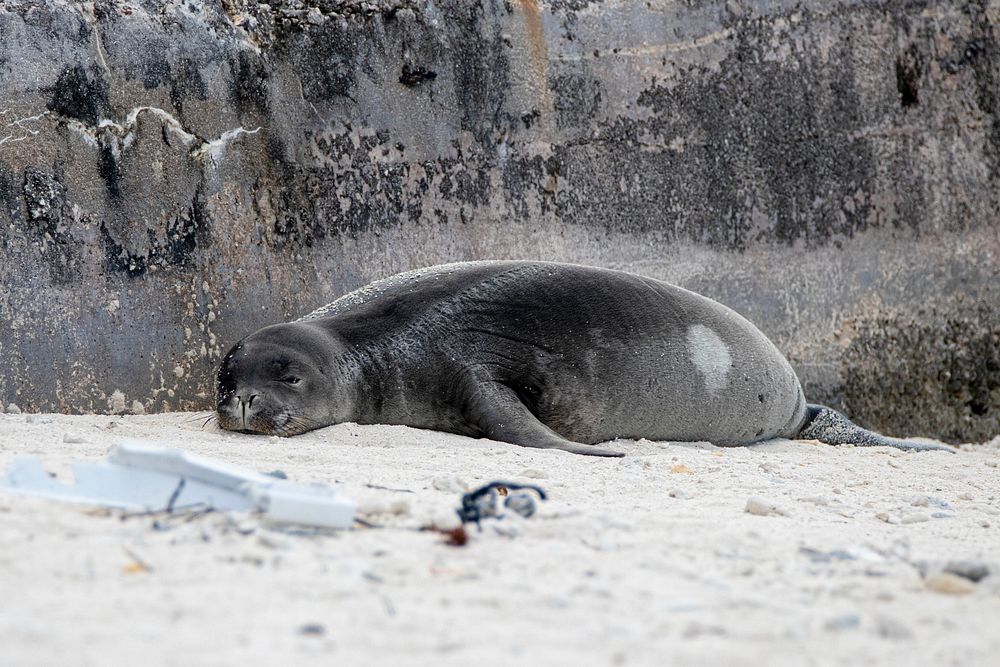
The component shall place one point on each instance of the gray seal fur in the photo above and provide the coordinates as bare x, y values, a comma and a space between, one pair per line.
536, 354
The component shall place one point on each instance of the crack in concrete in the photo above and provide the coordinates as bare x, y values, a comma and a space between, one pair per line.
19, 124
125, 132
214, 149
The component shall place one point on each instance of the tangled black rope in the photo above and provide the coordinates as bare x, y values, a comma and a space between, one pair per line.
484, 502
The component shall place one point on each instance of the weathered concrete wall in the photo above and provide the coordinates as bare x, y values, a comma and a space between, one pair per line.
176, 174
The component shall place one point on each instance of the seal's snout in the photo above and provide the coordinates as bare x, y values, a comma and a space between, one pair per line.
245, 410
242, 411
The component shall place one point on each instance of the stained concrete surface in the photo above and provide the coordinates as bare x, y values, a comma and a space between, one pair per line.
174, 175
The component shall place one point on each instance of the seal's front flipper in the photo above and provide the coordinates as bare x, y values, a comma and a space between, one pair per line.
498, 412
829, 426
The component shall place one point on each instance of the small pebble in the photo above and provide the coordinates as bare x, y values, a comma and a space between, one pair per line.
974, 571
73, 438
764, 507
314, 629
450, 484
930, 501
817, 556
679, 493
273, 542
137, 408
948, 583
13, 409
890, 628
866, 554
845, 622
242, 524
888, 518
915, 517
534, 473
315, 16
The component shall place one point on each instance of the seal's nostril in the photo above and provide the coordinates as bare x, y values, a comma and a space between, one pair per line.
250, 400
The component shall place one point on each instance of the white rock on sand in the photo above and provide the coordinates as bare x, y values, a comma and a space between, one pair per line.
611, 570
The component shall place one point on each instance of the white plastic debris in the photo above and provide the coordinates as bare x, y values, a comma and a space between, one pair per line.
141, 477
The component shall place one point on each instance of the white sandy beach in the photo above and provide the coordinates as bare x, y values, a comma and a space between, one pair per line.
646, 560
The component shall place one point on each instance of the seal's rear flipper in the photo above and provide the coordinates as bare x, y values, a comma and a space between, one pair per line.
831, 427
497, 411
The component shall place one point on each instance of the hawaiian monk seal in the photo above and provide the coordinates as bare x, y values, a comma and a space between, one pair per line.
537, 354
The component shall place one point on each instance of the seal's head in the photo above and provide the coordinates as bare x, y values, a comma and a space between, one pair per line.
283, 380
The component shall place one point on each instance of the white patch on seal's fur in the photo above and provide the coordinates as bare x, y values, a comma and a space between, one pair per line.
710, 355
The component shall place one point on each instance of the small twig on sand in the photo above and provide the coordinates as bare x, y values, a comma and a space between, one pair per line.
389, 488
195, 508
138, 560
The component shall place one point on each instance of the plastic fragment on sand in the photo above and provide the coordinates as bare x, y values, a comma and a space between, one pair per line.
297, 503
140, 477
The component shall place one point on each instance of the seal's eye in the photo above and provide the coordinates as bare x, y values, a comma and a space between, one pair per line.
291, 379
